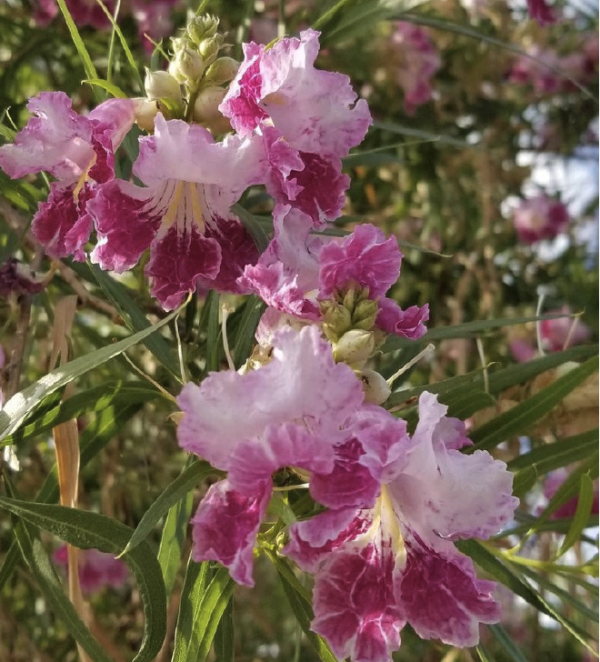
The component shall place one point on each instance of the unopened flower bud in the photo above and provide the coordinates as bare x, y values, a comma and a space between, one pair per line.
349, 298
364, 314
145, 112
222, 70
336, 319
160, 84
206, 107
209, 48
376, 389
187, 65
355, 346
202, 27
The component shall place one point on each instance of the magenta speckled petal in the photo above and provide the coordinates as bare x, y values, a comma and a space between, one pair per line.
57, 140
365, 257
313, 540
441, 597
301, 382
225, 525
62, 224
253, 461
437, 491
125, 229
354, 603
179, 258
316, 111
409, 323
349, 484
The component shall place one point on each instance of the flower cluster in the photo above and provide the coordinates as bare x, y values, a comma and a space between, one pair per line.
308, 405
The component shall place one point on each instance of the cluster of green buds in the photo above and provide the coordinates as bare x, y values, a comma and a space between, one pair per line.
192, 87
348, 322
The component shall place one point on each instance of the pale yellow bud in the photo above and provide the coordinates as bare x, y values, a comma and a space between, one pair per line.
376, 389
160, 84
222, 70
145, 112
354, 346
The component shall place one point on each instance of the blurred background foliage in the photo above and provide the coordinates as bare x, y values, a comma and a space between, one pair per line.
443, 168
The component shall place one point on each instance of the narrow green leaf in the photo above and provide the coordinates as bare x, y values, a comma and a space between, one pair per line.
185, 482
16, 408
225, 636
521, 417
301, 606
524, 481
442, 387
548, 457
132, 315
111, 88
202, 599
173, 539
92, 440
252, 224
510, 648
213, 345
43, 571
393, 127
484, 654
466, 330
90, 70
88, 530
212, 626
126, 49
244, 339
93, 400
330, 14
582, 513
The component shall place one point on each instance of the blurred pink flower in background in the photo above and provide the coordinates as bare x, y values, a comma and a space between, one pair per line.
559, 333
553, 482
541, 217
96, 569
419, 61
541, 12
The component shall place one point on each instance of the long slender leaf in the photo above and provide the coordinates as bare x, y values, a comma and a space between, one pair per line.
91, 530
244, 339
90, 69
225, 637
173, 538
41, 568
252, 224
521, 417
509, 646
20, 404
92, 400
582, 513
202, 600
558, 454
93, 439
185, 482
301, 606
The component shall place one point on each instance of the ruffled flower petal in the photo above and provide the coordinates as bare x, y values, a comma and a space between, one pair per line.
409, 323
62, 224
440, 490
284, 445
301, 383
316, 111
56, 140
440, 596
365, 257
225, 525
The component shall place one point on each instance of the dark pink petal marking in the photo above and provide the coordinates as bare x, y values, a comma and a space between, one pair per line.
179, 258
224, 528
62, 224
441, 597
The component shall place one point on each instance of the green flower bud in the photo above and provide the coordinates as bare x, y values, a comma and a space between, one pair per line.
376, 389
187, 65
364, 314
202, 27
336, 320
209, 48
349, 298
160, 84
222, 70
355, 346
